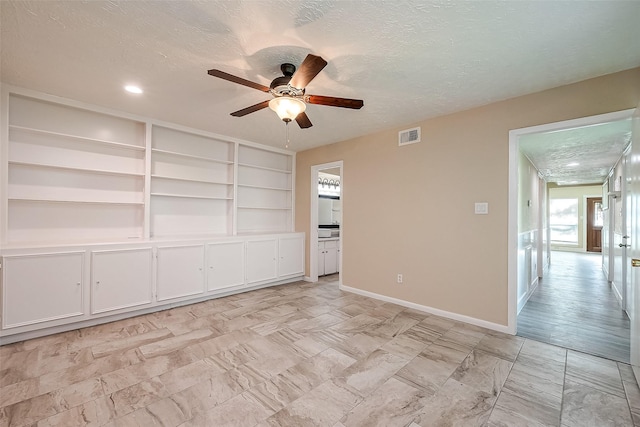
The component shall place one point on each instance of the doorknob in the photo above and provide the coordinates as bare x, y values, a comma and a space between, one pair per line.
622, 245
635, 262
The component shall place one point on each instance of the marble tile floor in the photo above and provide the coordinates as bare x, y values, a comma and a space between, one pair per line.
301, 355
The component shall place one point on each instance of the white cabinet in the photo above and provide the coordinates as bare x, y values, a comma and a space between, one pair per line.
262, 264
328, 257
180, 272
225, 265
291, 256
120, 279
40, 288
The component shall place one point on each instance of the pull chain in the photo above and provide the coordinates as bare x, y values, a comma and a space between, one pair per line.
286, 126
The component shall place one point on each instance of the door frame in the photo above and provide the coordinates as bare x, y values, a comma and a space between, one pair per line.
512, 220
313, 227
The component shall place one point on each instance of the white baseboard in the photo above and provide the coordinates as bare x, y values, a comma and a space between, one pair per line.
430, 310
307, 279
525, 298
616, 292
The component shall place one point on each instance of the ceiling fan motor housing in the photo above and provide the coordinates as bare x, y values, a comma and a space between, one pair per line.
280, 85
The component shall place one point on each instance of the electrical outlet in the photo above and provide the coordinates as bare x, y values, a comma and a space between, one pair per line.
399, 278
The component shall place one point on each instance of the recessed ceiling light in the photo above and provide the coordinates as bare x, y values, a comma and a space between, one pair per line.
132, 89
573, 164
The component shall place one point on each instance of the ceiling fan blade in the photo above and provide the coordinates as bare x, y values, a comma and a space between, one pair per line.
303, 120
236, 79
335, 102
251, 109
309, 68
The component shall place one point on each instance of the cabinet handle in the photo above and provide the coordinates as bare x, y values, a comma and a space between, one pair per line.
78, 284
97, 282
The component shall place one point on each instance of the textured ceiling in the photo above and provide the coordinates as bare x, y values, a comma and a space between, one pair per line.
577, 156
408, 60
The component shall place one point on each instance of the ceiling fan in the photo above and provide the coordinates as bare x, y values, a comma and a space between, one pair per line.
289, 98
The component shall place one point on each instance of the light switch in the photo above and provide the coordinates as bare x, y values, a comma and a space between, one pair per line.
481, 208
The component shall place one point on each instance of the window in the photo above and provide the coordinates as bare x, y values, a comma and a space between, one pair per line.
598, 215
563, 221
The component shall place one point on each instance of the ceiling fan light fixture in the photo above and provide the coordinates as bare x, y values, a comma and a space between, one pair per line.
287, 108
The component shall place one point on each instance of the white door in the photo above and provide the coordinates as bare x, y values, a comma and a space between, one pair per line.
291, 253
225, 265
330, 257
262, 263
320, 258
120, 279
180, 272
626, 230
40, 288
633, 308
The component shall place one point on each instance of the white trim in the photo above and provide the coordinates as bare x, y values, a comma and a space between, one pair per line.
430, 310
313, 222
617, 294
4, 165
512, 227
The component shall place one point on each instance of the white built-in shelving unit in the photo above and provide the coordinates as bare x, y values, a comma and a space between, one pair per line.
77, 174
191, 184
105, 215
73, 174
264, 190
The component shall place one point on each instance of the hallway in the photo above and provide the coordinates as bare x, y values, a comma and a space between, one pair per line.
574, 307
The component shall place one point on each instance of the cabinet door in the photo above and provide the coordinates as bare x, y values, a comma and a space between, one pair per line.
225, 265
180, 272
320, 258
39, 288
120, 279
330, 257
291, 256
261, 260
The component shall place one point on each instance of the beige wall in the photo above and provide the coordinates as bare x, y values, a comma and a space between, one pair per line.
409, 209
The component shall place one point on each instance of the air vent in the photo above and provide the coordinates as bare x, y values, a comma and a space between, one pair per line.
409, 136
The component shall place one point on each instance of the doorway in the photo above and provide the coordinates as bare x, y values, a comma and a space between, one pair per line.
326, 225
595, 221
517, 264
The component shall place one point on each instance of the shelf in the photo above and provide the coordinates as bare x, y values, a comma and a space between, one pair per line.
261, 187
263, 208
100, 202
80, 138
175, 178
191, 156
191, 197
264, 168
70, 168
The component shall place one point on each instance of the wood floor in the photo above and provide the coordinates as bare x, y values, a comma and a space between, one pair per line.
575, 307
302, 355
